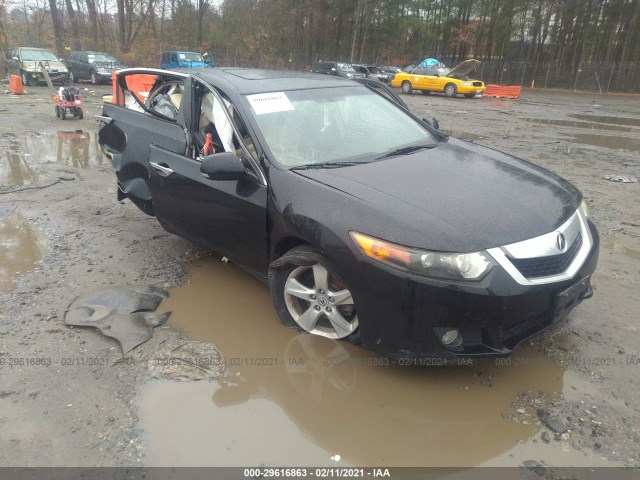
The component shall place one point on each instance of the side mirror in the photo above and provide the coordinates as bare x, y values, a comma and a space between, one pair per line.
432, 122
16, 59
223, 166
333, 69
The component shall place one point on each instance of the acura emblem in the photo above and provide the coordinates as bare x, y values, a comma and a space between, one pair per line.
561, 243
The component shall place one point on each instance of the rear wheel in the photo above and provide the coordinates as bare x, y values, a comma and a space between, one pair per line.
72, 78
406, 87
79, 113
57, 111
309, 294
63, 113
450, 90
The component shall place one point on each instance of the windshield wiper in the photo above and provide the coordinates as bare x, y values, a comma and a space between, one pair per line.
310, 166
406, 150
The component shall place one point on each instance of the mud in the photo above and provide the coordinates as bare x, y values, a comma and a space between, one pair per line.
280, 397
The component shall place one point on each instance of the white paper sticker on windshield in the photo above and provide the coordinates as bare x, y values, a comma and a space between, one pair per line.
270, 103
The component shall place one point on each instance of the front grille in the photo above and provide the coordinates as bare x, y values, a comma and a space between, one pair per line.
547, 266
477, 84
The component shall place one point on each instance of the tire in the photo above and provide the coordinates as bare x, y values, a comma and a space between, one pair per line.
72, 78
426, 92
63, 113
450, 90
94, 79
406, 87
79, 114
309, 295
469, 95
57, 111
25, 79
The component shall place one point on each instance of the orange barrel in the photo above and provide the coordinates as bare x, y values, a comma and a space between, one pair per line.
15, 85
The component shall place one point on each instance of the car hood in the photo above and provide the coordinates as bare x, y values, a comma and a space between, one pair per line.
48, 65
465, 68
456, 197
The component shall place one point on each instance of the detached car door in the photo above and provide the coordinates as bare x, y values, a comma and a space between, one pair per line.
227, 215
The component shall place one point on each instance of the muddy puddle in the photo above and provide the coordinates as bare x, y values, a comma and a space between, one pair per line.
606, 119
294, 399
25, 158
20, 249
606, 141
590, 125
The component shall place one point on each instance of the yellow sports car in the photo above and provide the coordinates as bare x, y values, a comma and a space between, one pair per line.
437, 79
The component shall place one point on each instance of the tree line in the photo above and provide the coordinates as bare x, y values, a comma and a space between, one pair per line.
297, 33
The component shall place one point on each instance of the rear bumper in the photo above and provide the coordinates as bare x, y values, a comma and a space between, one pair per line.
402, 316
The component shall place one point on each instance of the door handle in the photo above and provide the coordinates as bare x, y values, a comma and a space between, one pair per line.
164, 171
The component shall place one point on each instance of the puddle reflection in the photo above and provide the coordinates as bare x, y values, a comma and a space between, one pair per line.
19, 250
309, 398
25, 157
607, 141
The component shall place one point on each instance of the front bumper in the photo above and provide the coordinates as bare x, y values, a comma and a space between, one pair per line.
401, 313
463, 90
54, 76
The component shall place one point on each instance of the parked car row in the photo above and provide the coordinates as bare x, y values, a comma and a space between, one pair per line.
348, 70
96, 67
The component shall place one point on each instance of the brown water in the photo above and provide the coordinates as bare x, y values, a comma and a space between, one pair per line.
19, 250
607, 141
26, 158
296, 399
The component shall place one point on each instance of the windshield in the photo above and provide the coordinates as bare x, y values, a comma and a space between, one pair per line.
346, 67
38, 55
189, 57
318, 126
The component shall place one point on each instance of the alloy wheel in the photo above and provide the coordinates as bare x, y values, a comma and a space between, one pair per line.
319, 302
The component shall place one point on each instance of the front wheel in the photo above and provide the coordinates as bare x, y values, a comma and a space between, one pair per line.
406, 87
450, 90
25, 79
72, 78
63, 113
309, 294
94, 78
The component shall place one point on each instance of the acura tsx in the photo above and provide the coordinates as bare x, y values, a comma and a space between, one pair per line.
366, 222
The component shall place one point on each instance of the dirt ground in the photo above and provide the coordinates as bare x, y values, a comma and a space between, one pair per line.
68, 397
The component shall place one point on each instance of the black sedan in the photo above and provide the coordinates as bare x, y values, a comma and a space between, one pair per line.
366, 222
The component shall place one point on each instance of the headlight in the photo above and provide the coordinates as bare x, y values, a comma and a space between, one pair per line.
584, 208
453, 266
466, 84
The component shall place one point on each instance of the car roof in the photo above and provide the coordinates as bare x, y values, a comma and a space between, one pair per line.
247, 81
34, 48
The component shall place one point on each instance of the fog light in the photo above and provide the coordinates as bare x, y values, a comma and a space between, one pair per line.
449, 337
